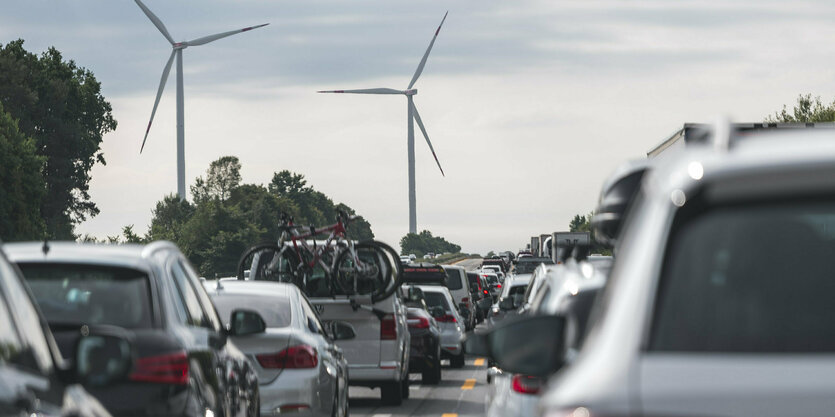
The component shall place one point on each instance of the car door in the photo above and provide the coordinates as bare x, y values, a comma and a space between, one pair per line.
329, 371
203, 345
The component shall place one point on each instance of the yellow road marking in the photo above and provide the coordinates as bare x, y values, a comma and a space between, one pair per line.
479, 362
449, 415
468, 384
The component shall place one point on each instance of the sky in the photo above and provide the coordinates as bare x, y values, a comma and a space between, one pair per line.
530, 104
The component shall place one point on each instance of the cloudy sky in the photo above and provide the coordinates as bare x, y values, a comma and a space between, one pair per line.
530, 104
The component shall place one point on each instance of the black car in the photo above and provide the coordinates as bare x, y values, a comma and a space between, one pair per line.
34, 379
425, 345
481, 295
184, 366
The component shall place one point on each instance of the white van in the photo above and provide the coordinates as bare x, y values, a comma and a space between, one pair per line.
459, 288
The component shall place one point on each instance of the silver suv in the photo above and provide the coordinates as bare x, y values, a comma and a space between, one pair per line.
720, 298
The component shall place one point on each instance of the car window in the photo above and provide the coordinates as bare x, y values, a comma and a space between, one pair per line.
436, 299
311, 318
517, 290
749, 278
206, 303
11, 346
453, 281
274, 310
23, 326
194, 313
90, 294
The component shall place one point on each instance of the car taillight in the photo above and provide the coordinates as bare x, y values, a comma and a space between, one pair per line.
465, 300
294, 357
498, 285
447, 318
162, 369
388, 328
417, 322
485, 292
525, 384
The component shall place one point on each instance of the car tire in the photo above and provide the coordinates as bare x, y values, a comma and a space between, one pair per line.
456, 361
391, 393
404, 388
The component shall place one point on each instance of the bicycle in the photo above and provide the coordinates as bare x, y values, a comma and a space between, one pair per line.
338, 266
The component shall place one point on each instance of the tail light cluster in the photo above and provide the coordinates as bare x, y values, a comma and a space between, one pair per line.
446, 318
294, 357
416, 321
170, 369
525, 384
388, 328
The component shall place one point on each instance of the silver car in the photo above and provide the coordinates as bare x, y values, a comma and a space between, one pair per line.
442, 307
300, 369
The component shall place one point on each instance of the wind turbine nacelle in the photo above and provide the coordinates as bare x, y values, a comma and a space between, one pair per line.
179, 45
411, 92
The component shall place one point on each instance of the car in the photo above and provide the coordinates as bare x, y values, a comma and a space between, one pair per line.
300, 368
571, 290
718, 301
442, 308
527, 264
405, 259
497, 261
510, 299
459, 287
185, 363
425, 345
34, 377
495, 286
480, 294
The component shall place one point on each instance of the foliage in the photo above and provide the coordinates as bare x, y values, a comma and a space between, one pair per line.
423, 243
583, 224
60, 106
21, 184
807, 110
491, 254
226, 216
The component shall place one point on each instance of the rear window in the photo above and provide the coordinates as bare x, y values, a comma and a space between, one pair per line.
90, 294
528, 265
751, 277
518, 289
425, 275
453, 281
436, 299
274, 310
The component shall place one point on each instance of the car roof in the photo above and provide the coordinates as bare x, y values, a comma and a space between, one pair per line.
250, 288
123, 255
517, 280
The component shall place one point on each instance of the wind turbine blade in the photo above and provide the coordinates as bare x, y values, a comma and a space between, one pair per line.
155, 20
366, 91
426, 55
159, 94
211, 38
425, 135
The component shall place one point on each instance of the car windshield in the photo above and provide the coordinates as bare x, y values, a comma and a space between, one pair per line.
436, 299
274, 310
90, 294
754, 278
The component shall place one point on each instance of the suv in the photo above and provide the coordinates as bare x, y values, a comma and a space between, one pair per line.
719, 301
185, 364
459, 287
480, 294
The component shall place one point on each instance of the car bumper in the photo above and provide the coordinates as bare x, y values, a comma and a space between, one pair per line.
370, 375
291, 389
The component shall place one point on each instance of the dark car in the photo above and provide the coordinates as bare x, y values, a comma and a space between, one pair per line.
184, 366
495, 261
481, 295
528, 264
425, 345
34, 379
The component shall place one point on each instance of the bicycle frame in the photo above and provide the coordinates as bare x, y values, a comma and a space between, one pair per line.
337, 233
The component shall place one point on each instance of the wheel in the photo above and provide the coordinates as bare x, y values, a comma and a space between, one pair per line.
456, 361
369, 276
404, 387
268, 262
391, 393
396, 270
432, 375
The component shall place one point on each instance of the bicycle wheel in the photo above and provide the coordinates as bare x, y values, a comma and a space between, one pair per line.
395, 270
361, 271
268, 262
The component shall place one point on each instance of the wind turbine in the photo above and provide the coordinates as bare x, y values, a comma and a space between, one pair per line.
412, 116
178, 52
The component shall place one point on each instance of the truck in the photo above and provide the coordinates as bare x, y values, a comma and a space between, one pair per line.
562, 241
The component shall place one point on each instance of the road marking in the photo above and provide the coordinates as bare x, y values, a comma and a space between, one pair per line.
468, 384
449, 415
479, 362
381, 415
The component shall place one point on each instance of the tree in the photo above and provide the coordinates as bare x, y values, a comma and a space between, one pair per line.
807, 110
223, 175
423, 243
582, 223
60, 106
22, 188
169, 217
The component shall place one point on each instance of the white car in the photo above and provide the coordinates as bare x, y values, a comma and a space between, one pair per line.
459, 288
295, 358
440, 304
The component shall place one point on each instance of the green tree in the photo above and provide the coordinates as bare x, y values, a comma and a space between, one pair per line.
423, 243
169, 217
22, 188
223, 175
807, 110
60, 106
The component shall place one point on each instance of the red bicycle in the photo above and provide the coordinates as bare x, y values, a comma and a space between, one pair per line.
324, 268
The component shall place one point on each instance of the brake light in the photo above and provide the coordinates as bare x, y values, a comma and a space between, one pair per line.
485, 292
465, 300
162, 369
525, 384
294, 357
447, 318
498, 285
388, 328
417, 322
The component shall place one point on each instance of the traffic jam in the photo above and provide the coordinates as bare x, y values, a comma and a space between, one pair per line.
714, 301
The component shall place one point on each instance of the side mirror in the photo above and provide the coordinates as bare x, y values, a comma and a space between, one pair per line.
103, 356
543, 352
342, 331
506, 304
245, 323
437, 311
